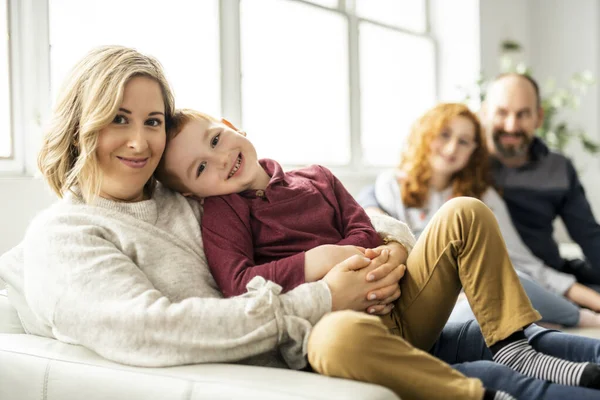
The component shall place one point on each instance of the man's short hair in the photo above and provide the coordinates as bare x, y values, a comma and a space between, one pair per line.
528, 78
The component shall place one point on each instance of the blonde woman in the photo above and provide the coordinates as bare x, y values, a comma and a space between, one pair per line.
117, 264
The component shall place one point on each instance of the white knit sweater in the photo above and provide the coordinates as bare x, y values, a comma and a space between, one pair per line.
130, 281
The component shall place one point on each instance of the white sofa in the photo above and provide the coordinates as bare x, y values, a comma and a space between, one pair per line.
38, 368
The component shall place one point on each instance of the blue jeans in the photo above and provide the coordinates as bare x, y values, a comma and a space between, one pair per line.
553, 308
462, 346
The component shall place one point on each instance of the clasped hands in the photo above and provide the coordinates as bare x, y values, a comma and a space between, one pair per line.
360, 279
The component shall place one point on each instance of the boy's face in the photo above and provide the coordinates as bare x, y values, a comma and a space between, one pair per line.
211, 159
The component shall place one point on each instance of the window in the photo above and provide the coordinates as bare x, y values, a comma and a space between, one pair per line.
312, 81
6, 140
301, 86
408, 14
397, 86
182, 34
295, 100
326, 3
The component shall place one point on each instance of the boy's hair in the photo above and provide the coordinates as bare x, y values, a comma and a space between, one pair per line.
88, 101
180, 119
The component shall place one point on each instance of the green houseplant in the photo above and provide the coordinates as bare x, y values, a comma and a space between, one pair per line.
555, 131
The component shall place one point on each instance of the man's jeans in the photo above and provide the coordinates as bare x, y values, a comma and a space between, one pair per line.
462, 346
554, 308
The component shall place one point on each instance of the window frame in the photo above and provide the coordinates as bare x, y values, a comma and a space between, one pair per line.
11, 157
231, 96
29, 74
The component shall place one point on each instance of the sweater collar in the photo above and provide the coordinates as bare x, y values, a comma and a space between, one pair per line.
145, 210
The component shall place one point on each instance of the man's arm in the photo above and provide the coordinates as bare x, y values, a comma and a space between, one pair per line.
578, 217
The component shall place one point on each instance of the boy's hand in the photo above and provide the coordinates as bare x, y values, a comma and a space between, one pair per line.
387, 260
319, 261
397, 256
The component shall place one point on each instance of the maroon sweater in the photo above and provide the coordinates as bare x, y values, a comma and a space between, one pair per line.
266, 232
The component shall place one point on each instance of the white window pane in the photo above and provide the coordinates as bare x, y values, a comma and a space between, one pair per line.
295, 82
182, 34
5, 119
408, 14
326, 3
397, 86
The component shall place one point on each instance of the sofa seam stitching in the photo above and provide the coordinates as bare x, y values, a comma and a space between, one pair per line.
45, 387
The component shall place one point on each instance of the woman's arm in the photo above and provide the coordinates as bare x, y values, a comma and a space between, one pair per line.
88, 292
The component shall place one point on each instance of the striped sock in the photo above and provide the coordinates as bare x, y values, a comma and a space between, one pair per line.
496, 395
521, 357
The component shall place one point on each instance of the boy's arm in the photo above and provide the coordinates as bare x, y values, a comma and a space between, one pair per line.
229, 248
356, 225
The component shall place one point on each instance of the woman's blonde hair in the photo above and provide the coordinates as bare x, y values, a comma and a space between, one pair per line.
87, 102
473, 180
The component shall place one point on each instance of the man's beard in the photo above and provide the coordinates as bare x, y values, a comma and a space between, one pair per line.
511, 151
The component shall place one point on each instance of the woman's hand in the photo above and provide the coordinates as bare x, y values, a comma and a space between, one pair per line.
350, 288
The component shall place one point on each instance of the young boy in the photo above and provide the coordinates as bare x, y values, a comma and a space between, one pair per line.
293, 227
259, 220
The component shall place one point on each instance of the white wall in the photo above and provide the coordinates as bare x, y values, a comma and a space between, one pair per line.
566, 35
501, 20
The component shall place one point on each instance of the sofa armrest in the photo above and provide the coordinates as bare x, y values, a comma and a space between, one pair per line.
9, 319
36, 368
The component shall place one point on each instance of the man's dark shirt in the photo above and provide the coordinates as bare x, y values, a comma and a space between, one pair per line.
538, 192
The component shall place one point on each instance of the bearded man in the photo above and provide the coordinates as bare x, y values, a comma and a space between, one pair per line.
537, 184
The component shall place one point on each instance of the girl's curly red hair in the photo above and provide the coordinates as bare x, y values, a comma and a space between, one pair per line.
473, 180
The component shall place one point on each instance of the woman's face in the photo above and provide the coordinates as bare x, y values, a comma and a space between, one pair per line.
453, 147
131, 146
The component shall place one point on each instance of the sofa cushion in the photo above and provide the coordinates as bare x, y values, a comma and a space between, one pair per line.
36, 368
9, 319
